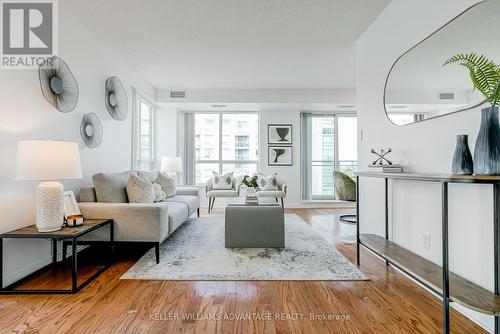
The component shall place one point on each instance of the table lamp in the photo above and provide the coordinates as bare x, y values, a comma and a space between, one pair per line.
171, 166
48, 160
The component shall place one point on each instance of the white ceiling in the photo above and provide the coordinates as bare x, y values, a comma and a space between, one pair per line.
233, 44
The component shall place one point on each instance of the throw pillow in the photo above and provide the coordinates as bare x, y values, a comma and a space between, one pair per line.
167, 184
140, 190
222, 181
268, 183
159, 194
110, 187
149, 175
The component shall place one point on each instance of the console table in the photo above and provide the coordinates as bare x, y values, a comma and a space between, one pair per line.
66, 234
437, 278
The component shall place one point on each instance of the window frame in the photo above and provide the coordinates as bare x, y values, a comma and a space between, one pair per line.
138, 162
336, 162
220, 162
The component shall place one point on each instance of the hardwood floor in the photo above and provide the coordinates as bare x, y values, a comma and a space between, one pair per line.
388, 303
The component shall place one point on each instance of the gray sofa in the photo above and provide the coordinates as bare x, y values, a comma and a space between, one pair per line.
135, 222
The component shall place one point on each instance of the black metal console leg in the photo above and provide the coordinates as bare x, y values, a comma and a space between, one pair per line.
74, 268
446, 273
357, 225
198, 212
157, 252
386, 213
496, 239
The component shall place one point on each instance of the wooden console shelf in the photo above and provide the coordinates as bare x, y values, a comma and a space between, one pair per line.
462, 291
451, 287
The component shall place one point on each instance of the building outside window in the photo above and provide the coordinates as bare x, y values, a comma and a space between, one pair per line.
330, 142
229, 141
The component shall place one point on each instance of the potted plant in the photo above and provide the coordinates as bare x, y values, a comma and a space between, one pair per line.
251, 183
485, 77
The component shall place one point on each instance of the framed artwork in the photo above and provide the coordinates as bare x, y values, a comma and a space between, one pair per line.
279, 156
70, 205
279, 134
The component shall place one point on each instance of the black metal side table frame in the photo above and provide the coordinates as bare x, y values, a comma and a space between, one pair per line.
66, 234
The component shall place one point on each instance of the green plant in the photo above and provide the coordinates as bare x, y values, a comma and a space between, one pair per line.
484, 74
250, 181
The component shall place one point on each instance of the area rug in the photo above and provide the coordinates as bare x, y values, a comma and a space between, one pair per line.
196, 252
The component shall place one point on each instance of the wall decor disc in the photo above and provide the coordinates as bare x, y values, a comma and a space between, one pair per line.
91, 130
58, 84
115, 98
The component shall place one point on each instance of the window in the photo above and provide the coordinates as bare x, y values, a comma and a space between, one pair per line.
225, 142
144, 114
328, 144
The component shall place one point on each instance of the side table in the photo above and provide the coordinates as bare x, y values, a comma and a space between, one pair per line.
68, 234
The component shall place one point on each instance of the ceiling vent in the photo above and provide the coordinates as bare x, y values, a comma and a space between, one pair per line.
446, 96
398, 107
175, 94
219, 105
350, 106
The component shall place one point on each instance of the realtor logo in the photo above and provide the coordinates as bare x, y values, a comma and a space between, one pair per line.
28, 33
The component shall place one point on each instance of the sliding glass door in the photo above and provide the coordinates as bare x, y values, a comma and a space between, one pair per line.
329, 143
323, 156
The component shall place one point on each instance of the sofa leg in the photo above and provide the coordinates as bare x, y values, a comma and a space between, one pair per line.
157, 252
213, 202
276, 198
198, 212
209, 204
282, 204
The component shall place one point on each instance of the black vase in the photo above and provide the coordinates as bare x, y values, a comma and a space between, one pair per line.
462, 159
487, 150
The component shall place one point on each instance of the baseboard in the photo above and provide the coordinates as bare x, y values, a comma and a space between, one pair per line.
20, 274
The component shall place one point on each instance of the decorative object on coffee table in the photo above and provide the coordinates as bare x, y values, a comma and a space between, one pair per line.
279, 134
462, 159
116, 99
280, 156
58, 84
48, 160
91, 130
485, 76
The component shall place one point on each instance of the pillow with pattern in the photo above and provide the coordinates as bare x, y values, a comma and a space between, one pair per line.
268, 183
167, 184
140, 190
222, 181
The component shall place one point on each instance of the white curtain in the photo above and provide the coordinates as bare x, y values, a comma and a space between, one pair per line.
305, 156
187, 147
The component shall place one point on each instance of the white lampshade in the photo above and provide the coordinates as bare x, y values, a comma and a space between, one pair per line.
171, 164
44, 160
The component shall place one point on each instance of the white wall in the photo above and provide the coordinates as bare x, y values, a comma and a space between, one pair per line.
26, 115
422, 147
291, 174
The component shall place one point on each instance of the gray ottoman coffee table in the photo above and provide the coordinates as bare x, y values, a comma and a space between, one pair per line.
255, 226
